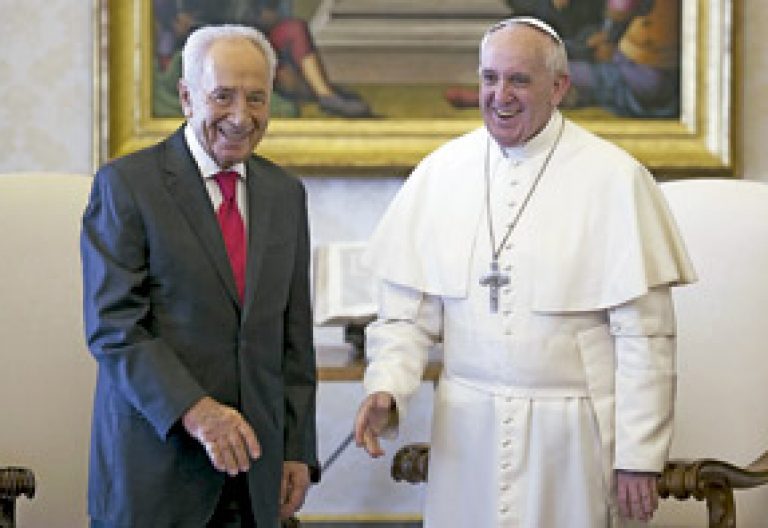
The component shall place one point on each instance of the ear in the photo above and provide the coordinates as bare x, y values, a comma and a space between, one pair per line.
562, 83
185, 98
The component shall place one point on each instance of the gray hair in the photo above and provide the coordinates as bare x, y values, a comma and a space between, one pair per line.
556, 58
200, 41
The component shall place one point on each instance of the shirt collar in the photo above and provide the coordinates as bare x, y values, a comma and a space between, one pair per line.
539, 143
204, 162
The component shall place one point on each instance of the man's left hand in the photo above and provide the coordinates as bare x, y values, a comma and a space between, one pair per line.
293, 488
636, 494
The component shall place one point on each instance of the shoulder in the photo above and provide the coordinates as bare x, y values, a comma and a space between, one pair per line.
451, 165
583, 146
459, 148
139, 166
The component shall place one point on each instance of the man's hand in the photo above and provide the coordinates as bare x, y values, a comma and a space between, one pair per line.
228, 439
637, 495
293, 487
372, 418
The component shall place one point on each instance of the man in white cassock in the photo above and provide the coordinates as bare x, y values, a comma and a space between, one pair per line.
541, 257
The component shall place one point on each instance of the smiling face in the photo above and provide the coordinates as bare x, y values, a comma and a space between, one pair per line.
228, 106
518, 89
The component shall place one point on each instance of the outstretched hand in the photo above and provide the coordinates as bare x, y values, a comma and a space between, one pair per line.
637, 495
371, 421
229, 441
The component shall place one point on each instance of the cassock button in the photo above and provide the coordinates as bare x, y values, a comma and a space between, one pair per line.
508, 420
504, 509
506, 443
505, 487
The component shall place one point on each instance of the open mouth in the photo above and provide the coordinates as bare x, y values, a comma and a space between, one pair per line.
236, 134
505, 114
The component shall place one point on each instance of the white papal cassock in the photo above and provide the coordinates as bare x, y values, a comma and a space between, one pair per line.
574, 375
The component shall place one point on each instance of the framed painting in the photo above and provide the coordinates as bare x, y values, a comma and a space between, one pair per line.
368, 86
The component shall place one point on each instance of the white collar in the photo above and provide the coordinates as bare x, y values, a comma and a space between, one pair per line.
538, 144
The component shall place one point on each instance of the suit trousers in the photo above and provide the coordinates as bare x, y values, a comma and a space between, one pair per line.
234, 507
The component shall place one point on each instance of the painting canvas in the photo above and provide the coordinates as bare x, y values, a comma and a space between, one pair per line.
625, 55
365, 84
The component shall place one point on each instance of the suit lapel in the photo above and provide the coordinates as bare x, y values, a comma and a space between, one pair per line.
182, 178
260, 202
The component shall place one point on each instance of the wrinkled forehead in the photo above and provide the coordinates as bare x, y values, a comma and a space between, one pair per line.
233, 61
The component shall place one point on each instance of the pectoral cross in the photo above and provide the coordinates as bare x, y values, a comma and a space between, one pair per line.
494, 280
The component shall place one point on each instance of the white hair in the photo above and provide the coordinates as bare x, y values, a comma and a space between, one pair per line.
200, 41
556, 57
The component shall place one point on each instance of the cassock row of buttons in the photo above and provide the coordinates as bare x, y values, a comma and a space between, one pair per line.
508, 453
506, 299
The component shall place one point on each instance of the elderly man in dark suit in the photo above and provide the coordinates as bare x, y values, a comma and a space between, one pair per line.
195, 264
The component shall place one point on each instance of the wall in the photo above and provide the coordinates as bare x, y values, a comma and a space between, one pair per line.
46, 117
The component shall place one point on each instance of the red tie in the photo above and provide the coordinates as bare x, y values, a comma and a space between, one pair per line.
232, 227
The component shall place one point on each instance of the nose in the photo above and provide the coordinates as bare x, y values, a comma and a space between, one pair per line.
239, 112
503, 92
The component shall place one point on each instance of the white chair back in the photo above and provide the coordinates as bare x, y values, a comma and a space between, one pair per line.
46, 374
722, 393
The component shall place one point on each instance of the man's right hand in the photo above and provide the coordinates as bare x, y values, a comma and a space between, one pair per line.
372, 418
228, 439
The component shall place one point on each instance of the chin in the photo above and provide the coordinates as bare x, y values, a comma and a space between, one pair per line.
507, 140
234, 155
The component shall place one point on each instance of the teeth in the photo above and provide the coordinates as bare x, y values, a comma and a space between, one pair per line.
502, 113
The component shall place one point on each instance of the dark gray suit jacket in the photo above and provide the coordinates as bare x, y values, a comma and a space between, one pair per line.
164, 323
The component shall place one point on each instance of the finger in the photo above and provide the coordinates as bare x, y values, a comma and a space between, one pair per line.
361, 421
284, 486
371, 443
622, 497
251, 442
228, 461
218, 453
214, 456
636, 500
649, 496
296, 494
238, 450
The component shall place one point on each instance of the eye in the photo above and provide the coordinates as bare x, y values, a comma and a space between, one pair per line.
256, 98
222, 97
488, 78
519, 80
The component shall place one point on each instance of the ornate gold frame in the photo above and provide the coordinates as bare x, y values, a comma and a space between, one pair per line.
701, 142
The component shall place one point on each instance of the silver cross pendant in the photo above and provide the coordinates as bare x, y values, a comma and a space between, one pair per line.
494, 280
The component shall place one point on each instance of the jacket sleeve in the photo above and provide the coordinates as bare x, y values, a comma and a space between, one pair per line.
116, 307
644, 334
409, 324
299, 372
